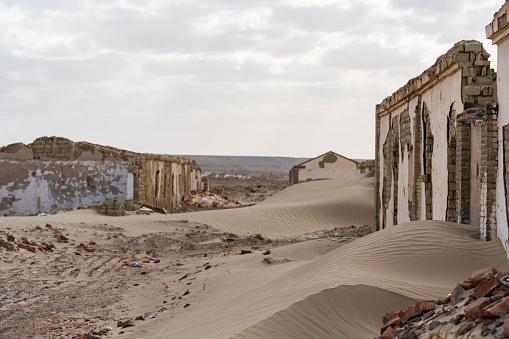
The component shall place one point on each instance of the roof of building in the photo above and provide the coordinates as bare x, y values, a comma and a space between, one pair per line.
330, 152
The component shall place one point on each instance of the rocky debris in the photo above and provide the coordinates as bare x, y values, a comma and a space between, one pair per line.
352, 231
478, 306
204, 199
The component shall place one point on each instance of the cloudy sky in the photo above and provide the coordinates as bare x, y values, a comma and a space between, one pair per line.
227, 77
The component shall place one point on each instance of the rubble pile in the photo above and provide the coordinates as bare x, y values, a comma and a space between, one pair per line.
212, 199
477, 307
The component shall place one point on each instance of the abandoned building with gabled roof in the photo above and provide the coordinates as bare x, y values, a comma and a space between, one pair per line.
436, 144
326, 166
55, 173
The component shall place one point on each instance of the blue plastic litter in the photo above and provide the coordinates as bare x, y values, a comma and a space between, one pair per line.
135, 264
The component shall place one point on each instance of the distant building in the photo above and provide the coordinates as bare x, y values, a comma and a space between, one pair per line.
55, 173
326, 166
367, 166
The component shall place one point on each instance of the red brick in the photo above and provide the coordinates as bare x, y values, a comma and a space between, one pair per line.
393, 315
498, 292
497, 310
389, 333
476, 277
506, 329
474, 309
396, 322
485, 287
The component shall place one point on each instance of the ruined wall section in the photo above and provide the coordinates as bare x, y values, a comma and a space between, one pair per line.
498, 32
461, 76
395, 163
54, 173
489, 167
161, 181
196, 183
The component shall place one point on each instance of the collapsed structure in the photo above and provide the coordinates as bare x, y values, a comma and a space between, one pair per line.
442, 141
436, 144
498, 32
53, 173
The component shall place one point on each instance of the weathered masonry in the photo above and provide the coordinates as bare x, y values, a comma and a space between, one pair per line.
53, 173
326, 166
436, 144
195, 179
498, 32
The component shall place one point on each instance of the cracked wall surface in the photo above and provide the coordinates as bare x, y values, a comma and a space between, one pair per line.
417, 176
54, 173
498, 32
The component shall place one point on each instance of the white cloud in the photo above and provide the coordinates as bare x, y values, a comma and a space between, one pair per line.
256, 77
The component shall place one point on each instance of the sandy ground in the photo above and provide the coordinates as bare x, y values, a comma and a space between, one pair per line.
320, 280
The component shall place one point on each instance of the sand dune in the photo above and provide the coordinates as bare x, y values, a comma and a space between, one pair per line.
316, 289
323, 315
387, 270
299, 209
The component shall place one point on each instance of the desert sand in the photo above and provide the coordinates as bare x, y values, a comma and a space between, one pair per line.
322, 280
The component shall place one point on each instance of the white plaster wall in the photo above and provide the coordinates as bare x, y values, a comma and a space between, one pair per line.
503, 119
130, 186
43, 186
196, 180
177, 171
403, 211
342, 168
439, 99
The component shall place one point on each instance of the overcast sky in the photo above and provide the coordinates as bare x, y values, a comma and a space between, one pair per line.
219, 77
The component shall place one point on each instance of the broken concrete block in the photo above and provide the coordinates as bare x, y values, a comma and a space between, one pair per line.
497, 310
485, 287
476, 277
474, 310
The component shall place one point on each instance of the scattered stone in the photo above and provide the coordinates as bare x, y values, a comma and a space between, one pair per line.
463, 329
457, 294
245, 251
476, 277
434, 324
408, 334
474, 310
124, 324
267, 252
497, 310
268, 260
485, 287
428, 315
389, 333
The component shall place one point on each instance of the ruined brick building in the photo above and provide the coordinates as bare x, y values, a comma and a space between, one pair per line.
435, 150
498, 32
442, 141
54, 173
